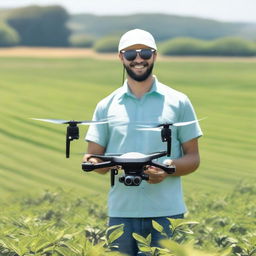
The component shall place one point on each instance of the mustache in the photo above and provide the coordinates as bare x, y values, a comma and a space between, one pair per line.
144, 63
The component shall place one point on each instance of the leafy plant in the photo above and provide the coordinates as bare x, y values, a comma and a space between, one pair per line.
59, 223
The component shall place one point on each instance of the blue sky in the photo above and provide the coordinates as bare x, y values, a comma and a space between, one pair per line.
223, 10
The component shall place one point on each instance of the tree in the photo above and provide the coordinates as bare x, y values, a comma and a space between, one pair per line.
8, 36
40, 26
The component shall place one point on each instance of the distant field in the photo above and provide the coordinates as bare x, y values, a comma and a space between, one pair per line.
32, 153
47, 52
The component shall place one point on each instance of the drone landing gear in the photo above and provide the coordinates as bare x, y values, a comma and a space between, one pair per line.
113, 173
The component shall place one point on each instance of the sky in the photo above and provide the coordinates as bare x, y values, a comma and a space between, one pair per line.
222, 10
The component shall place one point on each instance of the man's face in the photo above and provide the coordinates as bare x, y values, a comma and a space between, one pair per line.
140, 68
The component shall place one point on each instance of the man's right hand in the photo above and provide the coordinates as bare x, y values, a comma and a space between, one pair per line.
95, 160
90, 159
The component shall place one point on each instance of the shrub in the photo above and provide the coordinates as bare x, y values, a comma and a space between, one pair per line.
82, 41
228, 46
183, 46
107, 44
231, 46
8, 36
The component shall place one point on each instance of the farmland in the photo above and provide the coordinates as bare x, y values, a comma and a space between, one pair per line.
32, 154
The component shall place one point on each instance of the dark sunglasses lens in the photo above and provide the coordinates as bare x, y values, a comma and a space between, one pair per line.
130, 55
146, 54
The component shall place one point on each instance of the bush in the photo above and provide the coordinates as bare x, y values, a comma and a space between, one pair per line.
8, 36
82, 41
107, 45
231, 46
183, 46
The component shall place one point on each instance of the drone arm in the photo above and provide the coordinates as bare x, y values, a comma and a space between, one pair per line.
88, 167
102, 157
164, 167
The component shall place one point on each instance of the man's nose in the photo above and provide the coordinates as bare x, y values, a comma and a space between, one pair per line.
138, 58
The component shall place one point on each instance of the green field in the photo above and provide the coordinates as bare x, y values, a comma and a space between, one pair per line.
32, 154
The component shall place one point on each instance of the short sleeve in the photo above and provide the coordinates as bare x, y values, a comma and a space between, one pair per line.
188, 132
98, 133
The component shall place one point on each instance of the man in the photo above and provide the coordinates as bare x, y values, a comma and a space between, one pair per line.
143, 98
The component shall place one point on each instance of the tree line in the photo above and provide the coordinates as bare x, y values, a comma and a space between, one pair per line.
48, 26
181, 46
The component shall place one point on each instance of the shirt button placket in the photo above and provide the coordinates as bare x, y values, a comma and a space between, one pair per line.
140, 118
137, 119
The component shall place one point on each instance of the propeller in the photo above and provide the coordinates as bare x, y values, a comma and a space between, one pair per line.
60, 121
158, 127
72, 128
166, 132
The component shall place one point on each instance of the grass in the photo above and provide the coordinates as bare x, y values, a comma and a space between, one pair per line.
33, 153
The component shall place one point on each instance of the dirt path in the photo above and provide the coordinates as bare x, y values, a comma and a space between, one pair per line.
44, 52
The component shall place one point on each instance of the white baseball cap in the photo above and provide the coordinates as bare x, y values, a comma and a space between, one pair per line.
136, 36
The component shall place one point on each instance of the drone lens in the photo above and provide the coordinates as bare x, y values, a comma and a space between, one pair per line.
137, 180
128, 180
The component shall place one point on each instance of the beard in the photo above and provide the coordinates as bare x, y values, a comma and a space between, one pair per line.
142, 77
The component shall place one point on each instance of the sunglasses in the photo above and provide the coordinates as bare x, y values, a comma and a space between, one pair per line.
131, 55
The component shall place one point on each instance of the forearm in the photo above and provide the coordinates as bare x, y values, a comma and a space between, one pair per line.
186, 164
189, 162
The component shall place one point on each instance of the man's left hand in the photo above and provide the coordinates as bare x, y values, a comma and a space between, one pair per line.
156, 175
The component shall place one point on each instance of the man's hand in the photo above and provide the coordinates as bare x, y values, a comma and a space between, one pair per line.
156, 175
93, 160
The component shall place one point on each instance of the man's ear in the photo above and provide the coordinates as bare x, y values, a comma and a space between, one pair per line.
121, 57
155, 55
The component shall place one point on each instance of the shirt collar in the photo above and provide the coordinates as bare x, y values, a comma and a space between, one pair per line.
125, 90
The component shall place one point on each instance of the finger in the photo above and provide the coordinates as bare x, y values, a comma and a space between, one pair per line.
145, 167
86, 157
151, 171
149, 181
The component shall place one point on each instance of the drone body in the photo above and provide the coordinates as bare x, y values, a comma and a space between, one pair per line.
132, 163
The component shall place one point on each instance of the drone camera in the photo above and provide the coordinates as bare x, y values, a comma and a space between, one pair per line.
131, 180
128, 180
137, 180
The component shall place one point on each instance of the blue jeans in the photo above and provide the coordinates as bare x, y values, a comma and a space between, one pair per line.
142, 226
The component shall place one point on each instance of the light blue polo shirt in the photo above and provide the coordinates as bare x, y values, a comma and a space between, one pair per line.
160, 104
